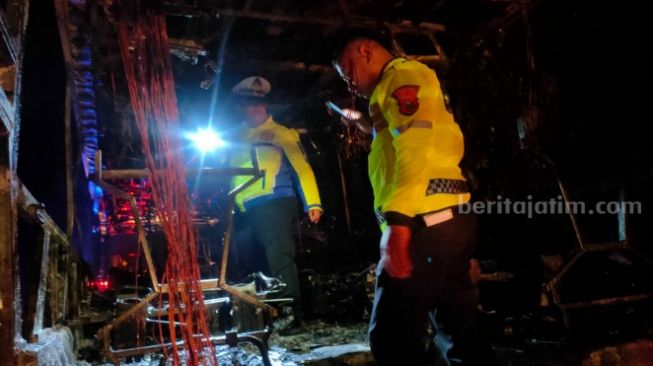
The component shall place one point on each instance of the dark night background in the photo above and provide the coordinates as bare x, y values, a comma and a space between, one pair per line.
592, 80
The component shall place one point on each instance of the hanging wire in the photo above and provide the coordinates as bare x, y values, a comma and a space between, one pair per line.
145, 54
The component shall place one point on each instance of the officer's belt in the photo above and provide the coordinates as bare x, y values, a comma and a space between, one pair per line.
436, 185
427, 219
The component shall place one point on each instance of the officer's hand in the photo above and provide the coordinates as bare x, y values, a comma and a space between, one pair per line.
474, 270
395, 249
314, 215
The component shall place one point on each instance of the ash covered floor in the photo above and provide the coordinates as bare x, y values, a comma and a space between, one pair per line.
319, 344
521, 332
608, 336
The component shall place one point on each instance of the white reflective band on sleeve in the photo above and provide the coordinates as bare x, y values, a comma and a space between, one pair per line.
414, 123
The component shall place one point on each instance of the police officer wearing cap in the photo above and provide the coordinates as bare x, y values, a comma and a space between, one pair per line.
270, 205
418, 186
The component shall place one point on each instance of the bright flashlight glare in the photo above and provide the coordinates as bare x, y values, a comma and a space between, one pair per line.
205, 140
352, 114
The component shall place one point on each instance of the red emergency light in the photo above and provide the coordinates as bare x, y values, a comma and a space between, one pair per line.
101, 285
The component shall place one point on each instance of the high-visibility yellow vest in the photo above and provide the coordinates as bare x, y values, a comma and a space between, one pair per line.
416, 140
273, 143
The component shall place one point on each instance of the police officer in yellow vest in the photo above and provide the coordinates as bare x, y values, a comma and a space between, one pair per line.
270, 205
418, 188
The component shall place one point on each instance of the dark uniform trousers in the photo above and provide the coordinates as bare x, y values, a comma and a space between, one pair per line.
439, 290
270, 225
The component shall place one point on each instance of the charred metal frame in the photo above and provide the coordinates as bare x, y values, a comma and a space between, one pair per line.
428, 30
7, 253
59, 285
15, 200
74, 25
57, 288
514, 10
582, 249
259, 338
80, 72
54, 290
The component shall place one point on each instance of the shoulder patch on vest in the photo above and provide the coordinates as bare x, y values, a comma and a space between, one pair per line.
406, 96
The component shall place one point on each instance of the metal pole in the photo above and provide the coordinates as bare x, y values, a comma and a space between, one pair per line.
43, 283
70, 205
9, 128
257, 174
145, 173
7, 259
345, 197
226, 241
53, 272
565, 197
